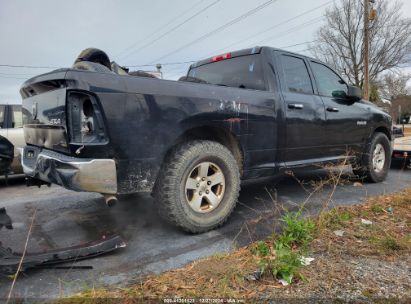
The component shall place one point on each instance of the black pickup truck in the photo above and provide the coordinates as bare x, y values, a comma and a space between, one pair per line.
242, 115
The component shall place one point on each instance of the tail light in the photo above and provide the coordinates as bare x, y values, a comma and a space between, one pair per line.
221, 57
85, 120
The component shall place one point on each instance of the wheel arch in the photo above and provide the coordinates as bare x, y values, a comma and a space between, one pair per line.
213, 133
384, 130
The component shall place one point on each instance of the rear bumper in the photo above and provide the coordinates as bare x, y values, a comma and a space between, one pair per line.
92, 175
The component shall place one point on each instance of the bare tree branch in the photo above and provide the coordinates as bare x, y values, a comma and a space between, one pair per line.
340, 40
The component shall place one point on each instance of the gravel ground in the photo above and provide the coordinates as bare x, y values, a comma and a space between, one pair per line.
351, 279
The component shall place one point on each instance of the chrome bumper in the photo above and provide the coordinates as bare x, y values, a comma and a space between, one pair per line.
92, 175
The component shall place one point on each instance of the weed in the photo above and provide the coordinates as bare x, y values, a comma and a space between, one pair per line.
297, 230
261, 249
287, 263
377, 209
288, 247
390, 243
333, 219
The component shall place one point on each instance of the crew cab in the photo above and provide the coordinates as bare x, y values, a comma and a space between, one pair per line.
241, 115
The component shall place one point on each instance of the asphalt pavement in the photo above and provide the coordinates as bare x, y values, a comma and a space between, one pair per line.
66, 218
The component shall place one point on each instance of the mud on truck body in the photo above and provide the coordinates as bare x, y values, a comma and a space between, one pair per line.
242, 115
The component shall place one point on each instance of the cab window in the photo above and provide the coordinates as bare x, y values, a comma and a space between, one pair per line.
2, 115
17, 117
297, 79
245, 72
328, 82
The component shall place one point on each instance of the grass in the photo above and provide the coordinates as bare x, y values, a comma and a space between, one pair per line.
281, 256
225, 275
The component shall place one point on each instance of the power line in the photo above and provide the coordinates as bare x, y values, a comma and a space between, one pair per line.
275, 26
18, 74
257, 34
122, 53
163, 64
1, 76
293, 29
219, 29
297, 44
29, 66
174, 28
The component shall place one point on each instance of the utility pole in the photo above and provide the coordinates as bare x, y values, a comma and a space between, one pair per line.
366, 52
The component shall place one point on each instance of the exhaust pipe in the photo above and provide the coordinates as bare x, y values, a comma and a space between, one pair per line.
111, 200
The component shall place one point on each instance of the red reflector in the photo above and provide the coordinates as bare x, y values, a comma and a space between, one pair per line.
221, 57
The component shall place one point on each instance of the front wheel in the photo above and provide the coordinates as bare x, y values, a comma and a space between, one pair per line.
375, 162
198, 186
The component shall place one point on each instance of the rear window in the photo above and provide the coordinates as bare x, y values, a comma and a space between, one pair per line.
297, 78
239, 72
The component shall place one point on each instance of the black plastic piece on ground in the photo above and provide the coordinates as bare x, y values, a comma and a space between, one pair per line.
9, 260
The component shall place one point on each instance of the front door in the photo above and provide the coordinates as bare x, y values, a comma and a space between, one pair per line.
304, 111
346, 127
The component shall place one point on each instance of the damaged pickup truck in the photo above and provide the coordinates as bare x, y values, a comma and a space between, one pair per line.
242, 115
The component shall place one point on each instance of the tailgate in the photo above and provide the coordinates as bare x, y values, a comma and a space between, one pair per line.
44, 111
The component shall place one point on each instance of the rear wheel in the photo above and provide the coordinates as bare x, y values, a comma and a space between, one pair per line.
198, 186
374, 164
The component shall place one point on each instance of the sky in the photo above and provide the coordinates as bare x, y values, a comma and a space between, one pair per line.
51, 33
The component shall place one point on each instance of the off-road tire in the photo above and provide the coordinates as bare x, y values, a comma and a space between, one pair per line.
91, 66
94, 55
169, 191
364, 168
141, 74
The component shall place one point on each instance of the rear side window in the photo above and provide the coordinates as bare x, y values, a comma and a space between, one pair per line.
297, 79
2, 114
17, 121
329, 83
244, 72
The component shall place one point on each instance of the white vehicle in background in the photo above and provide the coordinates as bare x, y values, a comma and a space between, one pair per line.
11, 127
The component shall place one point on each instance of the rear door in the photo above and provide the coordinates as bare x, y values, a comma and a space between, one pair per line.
346, 127
304, 111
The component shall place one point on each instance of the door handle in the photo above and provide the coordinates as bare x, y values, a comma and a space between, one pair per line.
332, 109
296, 106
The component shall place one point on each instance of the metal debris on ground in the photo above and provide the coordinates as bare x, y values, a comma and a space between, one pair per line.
339, 232
254, 276
390, 210
9, 260
366, 222
305, 261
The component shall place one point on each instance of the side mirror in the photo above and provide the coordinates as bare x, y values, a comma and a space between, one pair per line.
354, 93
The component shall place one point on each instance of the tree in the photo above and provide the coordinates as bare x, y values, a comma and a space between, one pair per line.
374, 93
340, 40
401, 108
394, 85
